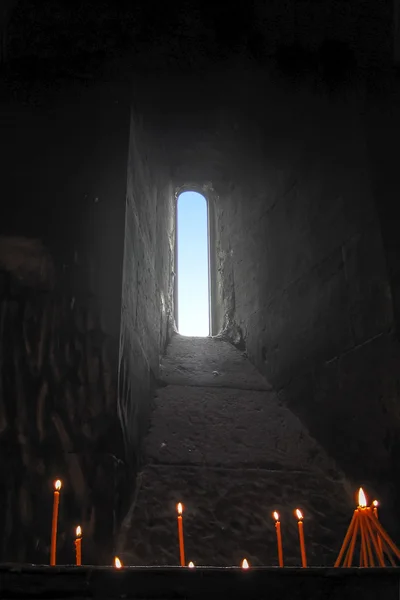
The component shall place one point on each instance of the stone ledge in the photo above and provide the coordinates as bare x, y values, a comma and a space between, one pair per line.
30, 581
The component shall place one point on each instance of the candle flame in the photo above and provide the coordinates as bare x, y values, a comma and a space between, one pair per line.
375, 503
245, 564
78, 531
299, 514
275, 515
117, 563
179, 508
57, 485
362, 500
191, 565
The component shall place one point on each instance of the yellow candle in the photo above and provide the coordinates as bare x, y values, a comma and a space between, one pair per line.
117, 563
245, 564
278, 538
56, 502
179, 508
78, 546
299, 516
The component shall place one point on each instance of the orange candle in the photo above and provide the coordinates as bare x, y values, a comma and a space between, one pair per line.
56, 502
117, 563
362, 507
78, 546
375, 511
299, 516
354, 531
179, 508
278, 538
363, 552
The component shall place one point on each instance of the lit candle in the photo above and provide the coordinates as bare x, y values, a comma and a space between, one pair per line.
78, 546
375, 504
299, 516
56, 502
362, 500
362, 504
245, 564
191, 565
179, 508
367, 525
117, 563
278, 537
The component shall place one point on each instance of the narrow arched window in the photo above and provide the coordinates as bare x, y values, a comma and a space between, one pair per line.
193, 295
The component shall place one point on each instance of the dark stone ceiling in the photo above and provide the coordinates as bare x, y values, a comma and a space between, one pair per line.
82, 38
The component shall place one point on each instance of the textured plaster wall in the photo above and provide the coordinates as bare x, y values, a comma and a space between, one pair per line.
148, 279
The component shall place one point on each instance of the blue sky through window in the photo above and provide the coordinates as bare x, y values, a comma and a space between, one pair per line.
192, 268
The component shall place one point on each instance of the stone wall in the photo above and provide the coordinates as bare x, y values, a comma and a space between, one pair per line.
58, 420
312, 288
148, 280
305, 251
64, 156
382, 125
191, 33
300, 249
365, 27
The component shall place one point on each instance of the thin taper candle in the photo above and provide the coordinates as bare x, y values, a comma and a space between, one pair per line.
56, 502
363, 551
278, 538
78, 546
350, 552
378, 550
179, 508
299, 516
375, 511
348, 537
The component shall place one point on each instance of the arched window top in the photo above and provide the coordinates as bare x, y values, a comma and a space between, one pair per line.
193, 295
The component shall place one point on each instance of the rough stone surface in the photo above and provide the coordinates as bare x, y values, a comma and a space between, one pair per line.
232, 456
212, 426
286, 116
147, 296
63, 174
58, 419
216, 363
228, 515
303, 266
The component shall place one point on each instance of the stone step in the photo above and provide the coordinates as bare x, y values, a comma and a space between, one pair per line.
229, 427
209, 362
228, 516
